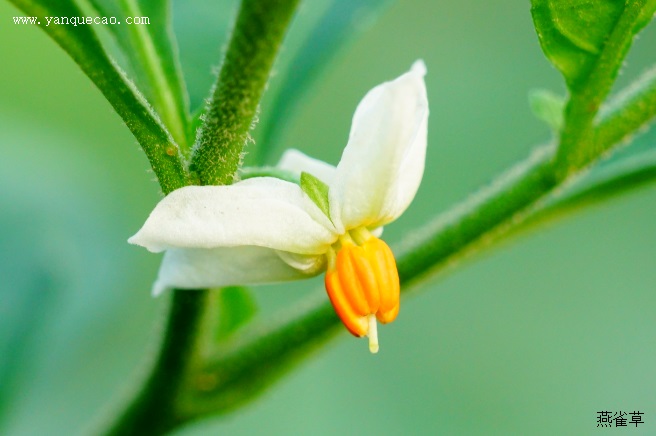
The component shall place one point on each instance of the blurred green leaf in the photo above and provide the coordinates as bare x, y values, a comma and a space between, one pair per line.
548, 107
340, 24
26, 293
236, 308
572, 33
82, 44
152, 52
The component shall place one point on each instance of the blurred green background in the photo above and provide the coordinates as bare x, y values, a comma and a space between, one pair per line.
533, 338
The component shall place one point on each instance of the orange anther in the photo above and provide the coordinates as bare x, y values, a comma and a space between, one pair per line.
354, 323
382, 260
364, 281
351, 278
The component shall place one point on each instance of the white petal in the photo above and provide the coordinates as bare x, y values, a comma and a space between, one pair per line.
261, 211
308, 265
383, 163
199, 268
296, 162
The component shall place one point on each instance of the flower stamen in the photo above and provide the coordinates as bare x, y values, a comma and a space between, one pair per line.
373, 334
363, 284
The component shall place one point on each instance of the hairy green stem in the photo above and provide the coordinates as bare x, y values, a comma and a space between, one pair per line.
629, 113
232, 108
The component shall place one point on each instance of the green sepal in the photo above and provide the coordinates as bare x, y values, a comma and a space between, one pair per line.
548, 107
317, 191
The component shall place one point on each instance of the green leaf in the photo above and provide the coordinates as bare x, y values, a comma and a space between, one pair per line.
588, 41
572, 33
236, 308
151, 51
317, 191
82, 44
547, 107
341, 23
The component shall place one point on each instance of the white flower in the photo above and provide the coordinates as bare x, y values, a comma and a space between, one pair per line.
264, 229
